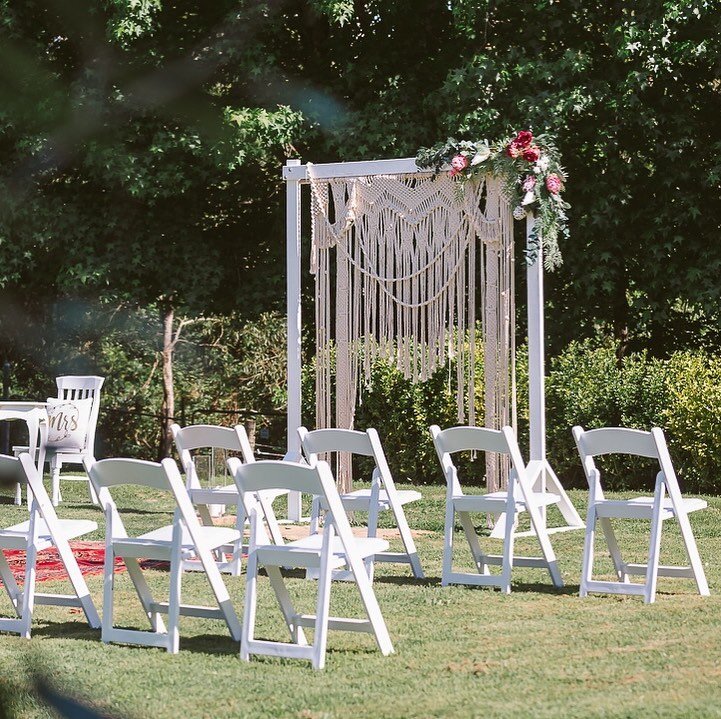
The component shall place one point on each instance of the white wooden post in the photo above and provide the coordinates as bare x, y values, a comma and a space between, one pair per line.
536, 359
293, 311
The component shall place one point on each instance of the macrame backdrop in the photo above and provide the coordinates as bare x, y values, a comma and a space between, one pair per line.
409, 252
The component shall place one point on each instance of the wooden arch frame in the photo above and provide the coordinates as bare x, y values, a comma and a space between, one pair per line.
296, 174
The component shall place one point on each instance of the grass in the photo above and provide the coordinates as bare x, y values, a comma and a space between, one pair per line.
459, 651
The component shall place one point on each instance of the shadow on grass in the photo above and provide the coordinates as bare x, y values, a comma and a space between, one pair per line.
67, 630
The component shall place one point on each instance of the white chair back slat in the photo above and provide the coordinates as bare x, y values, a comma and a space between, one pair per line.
270, 475
618, 440
470, 439
116, 472
320, 441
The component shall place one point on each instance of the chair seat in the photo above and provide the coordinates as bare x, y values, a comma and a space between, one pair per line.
496, 501
306, 552
16, 537
642, 507
227, 494
359, 500
158, 543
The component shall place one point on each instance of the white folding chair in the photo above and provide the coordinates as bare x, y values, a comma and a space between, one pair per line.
74, 387
519, 497
182, 539
195, 439
41, 531
334, 549
666, 503
382, 495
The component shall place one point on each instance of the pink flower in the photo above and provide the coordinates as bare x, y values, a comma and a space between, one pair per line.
529, 183
523, 139
513, 150
459, 162
532, 153
553, 183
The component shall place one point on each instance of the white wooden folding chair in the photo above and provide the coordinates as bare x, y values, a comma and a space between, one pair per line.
71, 388
40, 531
666, 503
382, 496
334, 549
184, 538
195, 439
519, 497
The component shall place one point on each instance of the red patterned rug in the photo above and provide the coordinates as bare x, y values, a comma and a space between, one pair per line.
89, 555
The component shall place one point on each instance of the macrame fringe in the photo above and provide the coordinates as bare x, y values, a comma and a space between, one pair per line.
406, 271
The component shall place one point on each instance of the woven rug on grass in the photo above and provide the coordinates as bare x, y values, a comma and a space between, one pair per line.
89, 556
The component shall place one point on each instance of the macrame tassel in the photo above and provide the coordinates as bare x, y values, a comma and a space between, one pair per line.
407, 269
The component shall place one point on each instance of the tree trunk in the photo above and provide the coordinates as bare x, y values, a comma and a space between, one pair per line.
167, 410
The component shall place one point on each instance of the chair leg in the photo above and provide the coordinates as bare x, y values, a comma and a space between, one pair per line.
692, 550
472, 538
18, 494
508, 541
323, 602
251, 600
654, 544
176, 575
613, 548
408, 544
448, 543
108, 595
55, 481
588, 552
314, 515
11, 586
28, 600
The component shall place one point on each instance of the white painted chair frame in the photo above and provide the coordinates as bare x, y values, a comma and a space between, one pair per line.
520, 497
335, 548
232, 439
72, 387
382, 496
42, 530
173, 543
657, 509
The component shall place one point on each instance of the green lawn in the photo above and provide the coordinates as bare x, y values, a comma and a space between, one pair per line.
459, 652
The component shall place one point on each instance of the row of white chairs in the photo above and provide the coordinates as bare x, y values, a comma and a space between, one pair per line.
193, 542
523, 495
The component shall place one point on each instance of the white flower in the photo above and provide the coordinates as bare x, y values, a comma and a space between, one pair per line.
528, 199
518, 213
481, 156
542, 163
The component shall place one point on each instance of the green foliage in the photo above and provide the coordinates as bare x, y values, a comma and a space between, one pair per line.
681, 395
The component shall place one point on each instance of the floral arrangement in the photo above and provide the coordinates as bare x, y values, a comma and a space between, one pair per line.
532, 176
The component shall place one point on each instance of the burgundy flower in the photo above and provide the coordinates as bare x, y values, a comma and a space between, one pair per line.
523, 139
532, 153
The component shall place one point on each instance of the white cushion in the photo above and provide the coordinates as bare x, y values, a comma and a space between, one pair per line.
68, 422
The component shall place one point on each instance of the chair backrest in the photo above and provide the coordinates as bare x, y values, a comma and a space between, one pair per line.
71, 387
204, 436
364, 444
163, 476
473, 439
320, 441
619, 440
254, 479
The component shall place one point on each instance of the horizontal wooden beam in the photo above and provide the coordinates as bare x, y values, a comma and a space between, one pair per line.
329, 170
